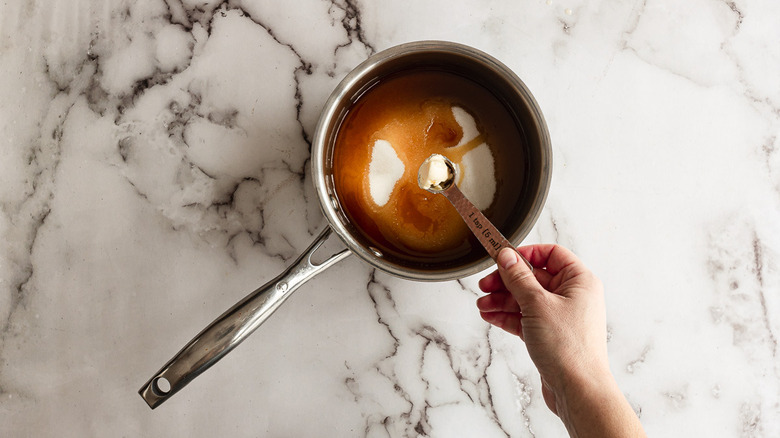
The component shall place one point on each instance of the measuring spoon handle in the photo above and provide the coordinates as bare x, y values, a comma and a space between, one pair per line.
484, 230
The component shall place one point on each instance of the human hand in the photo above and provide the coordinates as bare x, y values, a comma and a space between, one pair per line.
558, 310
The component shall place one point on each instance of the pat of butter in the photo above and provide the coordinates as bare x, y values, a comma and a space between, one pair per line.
434, 172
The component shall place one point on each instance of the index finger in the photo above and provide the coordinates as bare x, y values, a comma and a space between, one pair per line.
550, 257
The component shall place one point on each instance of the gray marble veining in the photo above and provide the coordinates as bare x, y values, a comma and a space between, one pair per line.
154, 168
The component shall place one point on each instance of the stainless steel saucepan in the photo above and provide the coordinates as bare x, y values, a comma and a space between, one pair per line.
238, 322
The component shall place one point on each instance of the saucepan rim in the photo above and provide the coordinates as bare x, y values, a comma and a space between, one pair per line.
350, 87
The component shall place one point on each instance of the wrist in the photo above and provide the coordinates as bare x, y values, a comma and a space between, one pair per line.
585, 385
590, 404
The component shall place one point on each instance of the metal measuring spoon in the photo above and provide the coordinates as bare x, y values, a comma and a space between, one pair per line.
438, 174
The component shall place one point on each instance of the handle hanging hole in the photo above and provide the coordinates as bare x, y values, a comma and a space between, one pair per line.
162, 385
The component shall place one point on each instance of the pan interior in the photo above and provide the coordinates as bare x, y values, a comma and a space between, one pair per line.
522, 166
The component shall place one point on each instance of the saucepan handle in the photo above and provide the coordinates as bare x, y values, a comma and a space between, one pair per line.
238, 322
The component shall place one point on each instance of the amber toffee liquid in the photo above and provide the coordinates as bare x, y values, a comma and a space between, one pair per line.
412, 110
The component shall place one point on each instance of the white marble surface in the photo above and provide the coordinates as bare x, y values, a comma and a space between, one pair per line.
154, 169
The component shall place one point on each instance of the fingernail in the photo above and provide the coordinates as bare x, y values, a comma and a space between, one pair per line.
507, 258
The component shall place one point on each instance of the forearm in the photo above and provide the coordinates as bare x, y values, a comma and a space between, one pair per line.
594, 406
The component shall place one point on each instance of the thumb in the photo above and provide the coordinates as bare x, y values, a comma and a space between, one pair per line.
518, 277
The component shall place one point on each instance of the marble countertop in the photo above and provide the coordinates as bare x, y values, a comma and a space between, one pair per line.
154, 168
